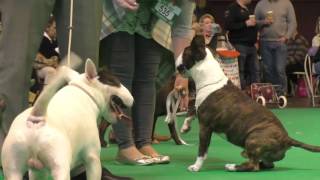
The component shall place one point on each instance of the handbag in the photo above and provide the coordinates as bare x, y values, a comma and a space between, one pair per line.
301, 90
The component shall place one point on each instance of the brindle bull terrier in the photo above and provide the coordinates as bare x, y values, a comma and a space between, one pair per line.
223, 108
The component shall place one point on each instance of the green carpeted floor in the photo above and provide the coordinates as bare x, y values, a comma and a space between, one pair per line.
302, 124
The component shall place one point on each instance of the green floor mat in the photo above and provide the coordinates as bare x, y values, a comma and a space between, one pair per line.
302, 124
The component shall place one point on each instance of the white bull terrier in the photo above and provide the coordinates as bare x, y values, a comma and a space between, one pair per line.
60, 132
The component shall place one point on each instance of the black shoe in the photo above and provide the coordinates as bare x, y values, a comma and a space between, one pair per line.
26, 176
106, 175
81, 176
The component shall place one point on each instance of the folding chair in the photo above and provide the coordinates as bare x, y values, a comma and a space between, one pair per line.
312, 79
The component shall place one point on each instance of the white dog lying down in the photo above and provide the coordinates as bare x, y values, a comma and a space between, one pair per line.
60, 132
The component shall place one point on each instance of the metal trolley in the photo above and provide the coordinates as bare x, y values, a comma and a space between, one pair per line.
264, 93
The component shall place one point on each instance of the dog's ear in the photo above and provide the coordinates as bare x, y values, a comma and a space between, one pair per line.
90, 69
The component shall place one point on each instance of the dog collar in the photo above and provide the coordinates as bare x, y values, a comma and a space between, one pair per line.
88, 93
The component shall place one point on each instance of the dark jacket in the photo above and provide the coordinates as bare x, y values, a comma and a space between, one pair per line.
48, 47
235, 23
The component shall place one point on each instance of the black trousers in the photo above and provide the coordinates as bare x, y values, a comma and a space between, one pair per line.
135, 60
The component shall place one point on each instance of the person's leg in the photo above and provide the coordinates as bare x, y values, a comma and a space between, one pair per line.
268, 62
87, 17
242, 64
292, 78
23, 25
254, 66
148, 56
119, 58
281, 62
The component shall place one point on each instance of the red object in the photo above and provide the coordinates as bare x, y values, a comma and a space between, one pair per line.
262, 89
302, 88
228, 53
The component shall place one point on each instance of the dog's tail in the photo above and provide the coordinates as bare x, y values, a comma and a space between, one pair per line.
299, 144
63, 76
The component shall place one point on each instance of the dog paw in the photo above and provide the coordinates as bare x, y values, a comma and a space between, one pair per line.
230, 167
194, 168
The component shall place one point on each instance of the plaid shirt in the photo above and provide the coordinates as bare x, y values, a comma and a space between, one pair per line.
110, 19
161, 32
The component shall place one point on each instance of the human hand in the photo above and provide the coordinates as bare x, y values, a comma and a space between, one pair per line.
251, 22
283, 39
181, 84
268, 21
130, 5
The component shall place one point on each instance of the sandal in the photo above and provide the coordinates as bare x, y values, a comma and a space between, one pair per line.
143, 161
157, 159
161, 159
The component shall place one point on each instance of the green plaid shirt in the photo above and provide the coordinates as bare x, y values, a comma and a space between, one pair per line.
161, 32
140, 22
110, 19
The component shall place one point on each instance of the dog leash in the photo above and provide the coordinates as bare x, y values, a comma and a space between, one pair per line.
171, 117
170, 104
70, 33
120, 115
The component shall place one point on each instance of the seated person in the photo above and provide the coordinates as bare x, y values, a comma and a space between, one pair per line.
209, 28
316, 43
48, 55
297, 50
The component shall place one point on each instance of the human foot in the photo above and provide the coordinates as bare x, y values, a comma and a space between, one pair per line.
157, 158
132, 156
